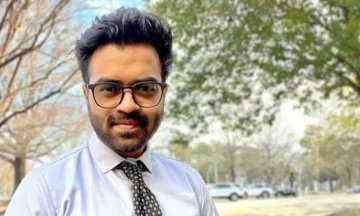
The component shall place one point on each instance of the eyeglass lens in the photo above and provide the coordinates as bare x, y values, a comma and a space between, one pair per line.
145, 94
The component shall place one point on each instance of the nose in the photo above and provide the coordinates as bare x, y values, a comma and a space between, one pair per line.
127, 104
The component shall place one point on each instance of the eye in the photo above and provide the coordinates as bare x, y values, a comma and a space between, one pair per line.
146, 87
108, 89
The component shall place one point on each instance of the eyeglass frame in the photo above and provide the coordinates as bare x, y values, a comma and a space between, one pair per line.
161, 84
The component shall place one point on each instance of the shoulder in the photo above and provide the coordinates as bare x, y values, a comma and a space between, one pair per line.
33, 196
60, 163
71, 156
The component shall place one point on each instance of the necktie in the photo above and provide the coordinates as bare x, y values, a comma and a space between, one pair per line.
145, 203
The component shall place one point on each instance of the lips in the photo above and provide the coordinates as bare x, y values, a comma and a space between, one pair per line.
125, 124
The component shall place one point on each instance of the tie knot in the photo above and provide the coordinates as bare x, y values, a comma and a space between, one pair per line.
132, 171
128, 165
145, 202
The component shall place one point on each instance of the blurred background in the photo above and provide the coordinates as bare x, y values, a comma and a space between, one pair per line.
263, 97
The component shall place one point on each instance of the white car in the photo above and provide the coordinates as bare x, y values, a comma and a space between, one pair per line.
353, 190
259, 190
225, 190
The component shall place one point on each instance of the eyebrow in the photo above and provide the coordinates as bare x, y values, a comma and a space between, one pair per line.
107, 80
118, 82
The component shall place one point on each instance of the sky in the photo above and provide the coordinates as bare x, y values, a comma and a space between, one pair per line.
99, 8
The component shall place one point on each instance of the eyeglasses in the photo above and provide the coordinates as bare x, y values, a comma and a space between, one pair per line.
145, 94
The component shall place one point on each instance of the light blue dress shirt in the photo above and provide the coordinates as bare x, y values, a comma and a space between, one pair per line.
85, 182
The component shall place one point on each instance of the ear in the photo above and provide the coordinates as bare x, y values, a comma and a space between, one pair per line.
165, 92
86, 93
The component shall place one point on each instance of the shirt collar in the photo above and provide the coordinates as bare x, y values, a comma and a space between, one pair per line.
107, 159
145, 159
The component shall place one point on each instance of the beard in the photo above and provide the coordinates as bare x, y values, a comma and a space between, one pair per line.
124, 142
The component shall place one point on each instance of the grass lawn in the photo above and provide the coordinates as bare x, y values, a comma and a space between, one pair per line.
349, 212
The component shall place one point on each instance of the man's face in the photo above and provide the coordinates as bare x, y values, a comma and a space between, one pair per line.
127, 128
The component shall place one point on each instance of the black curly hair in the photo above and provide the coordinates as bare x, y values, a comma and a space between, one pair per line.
126, 26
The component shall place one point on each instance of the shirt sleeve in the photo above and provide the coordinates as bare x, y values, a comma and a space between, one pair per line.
208, 207
31, 198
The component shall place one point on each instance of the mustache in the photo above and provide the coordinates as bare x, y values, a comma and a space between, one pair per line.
114, 119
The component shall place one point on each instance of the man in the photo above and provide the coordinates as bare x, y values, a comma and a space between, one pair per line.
124, 59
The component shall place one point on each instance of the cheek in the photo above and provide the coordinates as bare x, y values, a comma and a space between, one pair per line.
151, 117
154, 115
98, 112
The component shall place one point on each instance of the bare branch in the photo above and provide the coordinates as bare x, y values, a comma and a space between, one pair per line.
9, 7
45, 152
34, 148
14, 74
25, 109
19, 45
4, 150
33, 83
9, 102
6, 158
36, 159
35, 126
72, 74
34, 46
29, 49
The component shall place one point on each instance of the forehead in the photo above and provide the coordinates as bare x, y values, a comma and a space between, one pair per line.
126, 64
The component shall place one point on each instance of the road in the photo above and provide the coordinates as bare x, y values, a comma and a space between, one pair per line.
312, 205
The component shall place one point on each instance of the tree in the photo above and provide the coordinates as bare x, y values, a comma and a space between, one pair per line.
34, 56
230, 143
38, 72
277, 155
332, 143
269, 156
38, 134
249, 166
200, 154
229, 54
6, 171
211, 81
202, 160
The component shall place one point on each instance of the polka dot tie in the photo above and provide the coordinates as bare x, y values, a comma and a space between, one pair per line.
145, 203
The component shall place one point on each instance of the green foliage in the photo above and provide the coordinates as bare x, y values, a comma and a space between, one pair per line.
203, 157
332, 147
229, 53
210, 77
328, 173
180, 138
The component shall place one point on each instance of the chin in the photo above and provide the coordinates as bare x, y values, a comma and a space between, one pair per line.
128, 147
128, 142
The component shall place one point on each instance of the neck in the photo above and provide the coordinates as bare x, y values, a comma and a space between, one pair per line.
134, 154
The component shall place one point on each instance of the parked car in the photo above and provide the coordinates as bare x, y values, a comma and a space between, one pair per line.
355, 189
259, 190
242, 189
285, 192
225, 190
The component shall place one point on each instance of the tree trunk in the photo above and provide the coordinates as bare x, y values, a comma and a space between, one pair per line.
19, 170
292, 179
340, 184
232, 170
349, 176
331, 186
269, 174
